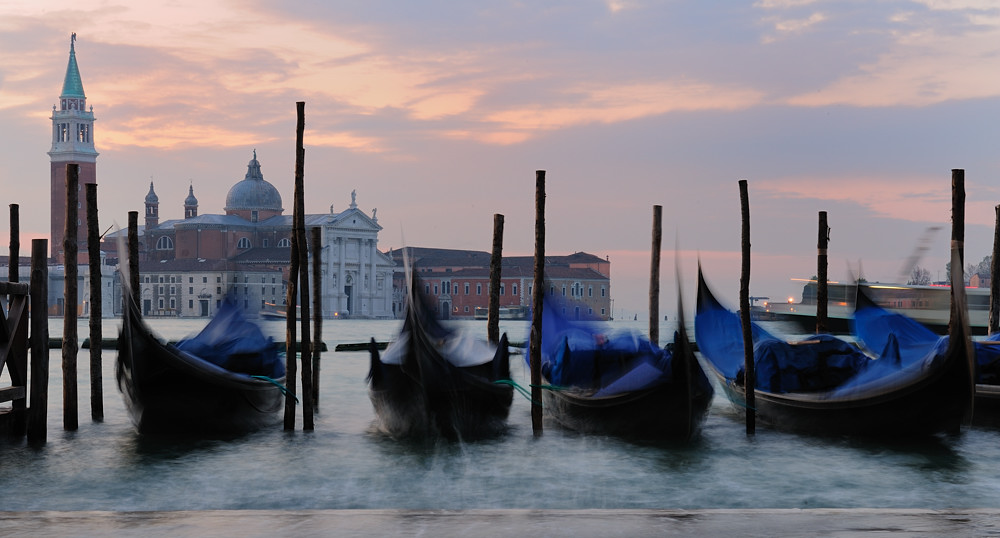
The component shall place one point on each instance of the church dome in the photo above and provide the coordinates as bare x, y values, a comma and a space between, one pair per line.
151, 197
253, 193
190, 200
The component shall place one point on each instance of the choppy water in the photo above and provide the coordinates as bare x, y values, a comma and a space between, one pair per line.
107, 466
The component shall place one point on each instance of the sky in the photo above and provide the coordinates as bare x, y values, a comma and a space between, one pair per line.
438, 114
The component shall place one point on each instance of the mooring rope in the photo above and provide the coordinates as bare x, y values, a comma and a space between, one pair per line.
284, 390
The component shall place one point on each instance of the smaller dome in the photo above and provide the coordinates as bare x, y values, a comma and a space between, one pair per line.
190, 200
151, 197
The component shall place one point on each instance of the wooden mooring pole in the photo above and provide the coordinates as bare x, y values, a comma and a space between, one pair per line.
654, 276
750, 376
70, 294
133, 259
317, 341
96, 305
13, 269
496, 262
538, 294
39, 341
17, 363
822, 293
994, 320
300, 234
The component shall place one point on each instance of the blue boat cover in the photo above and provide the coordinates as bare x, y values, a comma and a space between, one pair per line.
232, 341
584, 354
874, 326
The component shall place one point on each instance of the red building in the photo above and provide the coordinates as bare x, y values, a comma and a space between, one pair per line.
459, 281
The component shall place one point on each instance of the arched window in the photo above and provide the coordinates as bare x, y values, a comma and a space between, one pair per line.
284, 242
243, 243
164, 243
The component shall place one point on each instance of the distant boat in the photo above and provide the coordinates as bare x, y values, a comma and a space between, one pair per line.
435, 381
276, 311
618, 382
228, 379
824, 385
929, 305
505, 312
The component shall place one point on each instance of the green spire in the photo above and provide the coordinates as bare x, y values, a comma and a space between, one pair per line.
73, 85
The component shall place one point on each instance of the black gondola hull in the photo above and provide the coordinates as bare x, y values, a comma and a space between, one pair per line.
168, 391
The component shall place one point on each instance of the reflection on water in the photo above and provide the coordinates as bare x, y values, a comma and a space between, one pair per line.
343, 464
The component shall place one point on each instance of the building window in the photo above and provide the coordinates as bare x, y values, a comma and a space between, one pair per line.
435, 289
190, 303
243, 243
204, 279
264, 243
190, 290
173, 290
466, 308
427, 289
466, 288
501, 288
173, 303
479, 289
284, 242
160, 303
190, 280
253, 215
564, 291
218, 291
164, 243
602, 291
513, 289
590, 291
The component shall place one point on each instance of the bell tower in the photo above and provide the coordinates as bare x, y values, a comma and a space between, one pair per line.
72, 143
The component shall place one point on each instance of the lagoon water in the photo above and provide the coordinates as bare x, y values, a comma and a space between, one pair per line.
107, 466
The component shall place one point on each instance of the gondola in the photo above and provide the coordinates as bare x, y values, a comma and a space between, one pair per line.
877, 328
618, 382
434, 381
824, 385
226, 380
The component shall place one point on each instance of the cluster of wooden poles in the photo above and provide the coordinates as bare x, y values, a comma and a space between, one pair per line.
298, 290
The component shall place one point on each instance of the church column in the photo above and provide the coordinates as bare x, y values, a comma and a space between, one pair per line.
342, 273
372, 287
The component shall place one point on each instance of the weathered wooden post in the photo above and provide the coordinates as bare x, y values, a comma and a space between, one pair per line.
291, 351
822, 290
496, 262
317, 342
70, 295
958, 299
994, 321
17, 362
96, 306
300, 235
15, 245
654, 276
750, 375
538, 294
39, 390
133, 260
958, 222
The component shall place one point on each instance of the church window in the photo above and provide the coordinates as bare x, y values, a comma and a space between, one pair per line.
243, 243
164, 243
284, 242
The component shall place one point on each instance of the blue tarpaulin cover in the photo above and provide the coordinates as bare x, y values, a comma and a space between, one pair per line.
232, 341
584, 354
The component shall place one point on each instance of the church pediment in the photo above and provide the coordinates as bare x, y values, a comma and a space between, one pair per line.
354, 220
